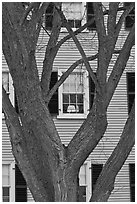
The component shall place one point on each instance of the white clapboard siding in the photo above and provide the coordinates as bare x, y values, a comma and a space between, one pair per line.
6, 145
117, 110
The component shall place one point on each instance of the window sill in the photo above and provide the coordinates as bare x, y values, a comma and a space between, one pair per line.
72, 116
64, 30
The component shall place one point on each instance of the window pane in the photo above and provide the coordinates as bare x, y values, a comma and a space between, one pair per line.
66, 85
5, 81
5, 175
5, 194
65, 107
80, 98
65, 98
81, 110
73, 98
72, 82
71, 23
77, 23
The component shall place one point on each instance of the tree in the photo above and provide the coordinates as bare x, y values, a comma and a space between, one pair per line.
50, 169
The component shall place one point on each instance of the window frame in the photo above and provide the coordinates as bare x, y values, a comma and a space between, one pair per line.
85, 97
11, 181
87, 184
10, 89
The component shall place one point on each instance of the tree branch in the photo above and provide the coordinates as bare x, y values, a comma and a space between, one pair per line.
88, 67
50, 54
105, 183
122, 17
66, 74
120, 65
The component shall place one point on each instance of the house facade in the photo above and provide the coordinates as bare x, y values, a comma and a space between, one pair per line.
70, 105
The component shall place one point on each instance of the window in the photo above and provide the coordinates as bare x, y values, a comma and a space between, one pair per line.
73, 13
53, 104
74, 95
20, 186
130, 89
130, 19
132, 182
90, 15
96, 170
6, 182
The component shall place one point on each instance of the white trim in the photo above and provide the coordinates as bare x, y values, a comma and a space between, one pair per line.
11, 91
88, 181
85, 100
12, 182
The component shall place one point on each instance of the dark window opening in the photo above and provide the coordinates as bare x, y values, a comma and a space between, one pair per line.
130, 89
53, 104
49, 16
132, 182
6, 194
74, 23
130, 19
96, 170
20, 186
90, 15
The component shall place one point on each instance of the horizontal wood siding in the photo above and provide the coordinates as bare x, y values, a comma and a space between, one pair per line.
6, 145
117, 110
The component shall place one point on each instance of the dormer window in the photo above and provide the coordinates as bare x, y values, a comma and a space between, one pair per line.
73, 13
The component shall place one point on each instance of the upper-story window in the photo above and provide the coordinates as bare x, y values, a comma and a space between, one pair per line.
130, 89
73, 95
73, 13
90, 15
130, 19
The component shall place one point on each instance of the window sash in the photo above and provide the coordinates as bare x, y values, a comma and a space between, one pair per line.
77, 91
73, 94
6, 194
